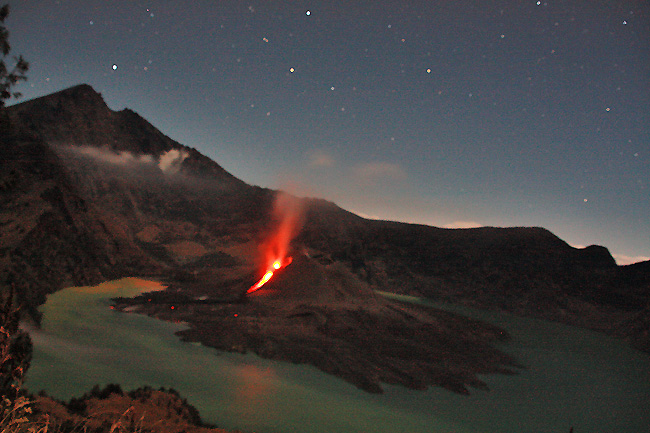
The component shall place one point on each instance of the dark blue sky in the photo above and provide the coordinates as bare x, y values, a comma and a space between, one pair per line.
448, 113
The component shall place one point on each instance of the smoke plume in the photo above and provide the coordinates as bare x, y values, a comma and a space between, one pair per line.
288, 213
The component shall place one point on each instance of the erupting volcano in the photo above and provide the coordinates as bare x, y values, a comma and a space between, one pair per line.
277, 264
287, 212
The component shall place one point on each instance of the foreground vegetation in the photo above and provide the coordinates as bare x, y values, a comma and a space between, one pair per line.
107, 409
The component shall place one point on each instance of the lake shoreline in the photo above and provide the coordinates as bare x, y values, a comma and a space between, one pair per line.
565, 367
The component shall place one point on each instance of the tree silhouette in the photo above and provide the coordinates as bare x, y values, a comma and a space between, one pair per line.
15, 347
12, 69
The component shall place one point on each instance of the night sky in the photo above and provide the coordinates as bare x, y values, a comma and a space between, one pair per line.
456, 113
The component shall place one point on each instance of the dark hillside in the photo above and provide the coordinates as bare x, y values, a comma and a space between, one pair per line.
51, 236
487, 265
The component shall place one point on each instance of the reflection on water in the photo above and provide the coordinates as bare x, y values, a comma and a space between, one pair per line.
573, 377
251, 387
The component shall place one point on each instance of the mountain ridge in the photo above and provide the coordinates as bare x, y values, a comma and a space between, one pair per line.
89, 194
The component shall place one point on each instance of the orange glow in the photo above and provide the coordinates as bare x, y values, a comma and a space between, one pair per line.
288, 218
277, 264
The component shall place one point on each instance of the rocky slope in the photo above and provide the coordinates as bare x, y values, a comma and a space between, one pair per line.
325, 316
90, 194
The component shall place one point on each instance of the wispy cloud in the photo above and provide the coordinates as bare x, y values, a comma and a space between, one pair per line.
366, 216
321, 159
106, 155
168, 162
622, 259
375, 172
463, 225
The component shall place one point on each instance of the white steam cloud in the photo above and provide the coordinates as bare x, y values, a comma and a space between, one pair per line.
105, 155
169, 162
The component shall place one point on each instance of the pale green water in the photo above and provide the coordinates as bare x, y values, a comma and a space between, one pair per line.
574, 377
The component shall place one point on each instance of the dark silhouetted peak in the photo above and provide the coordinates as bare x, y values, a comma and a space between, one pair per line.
79, 117
80, 98
82, 94
76, 93
74, 116
598, 257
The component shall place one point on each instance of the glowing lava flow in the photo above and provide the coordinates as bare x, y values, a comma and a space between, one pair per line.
267, 276
287, 220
